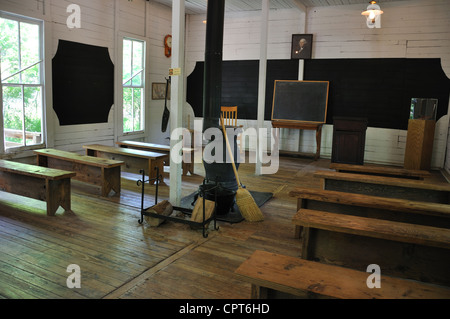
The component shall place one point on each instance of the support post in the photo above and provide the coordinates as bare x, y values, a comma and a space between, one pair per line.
262, 81
177, 96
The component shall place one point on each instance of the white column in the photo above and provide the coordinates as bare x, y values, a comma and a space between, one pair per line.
301, 64
262, 79
177, 96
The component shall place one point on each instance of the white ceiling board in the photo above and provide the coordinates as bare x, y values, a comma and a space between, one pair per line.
200, 6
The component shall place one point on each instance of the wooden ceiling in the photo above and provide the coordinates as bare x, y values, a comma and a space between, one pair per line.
199, 6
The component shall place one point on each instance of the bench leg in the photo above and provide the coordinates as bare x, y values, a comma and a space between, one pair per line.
152, 171
258, 292
110, 180
298, 232
306, 243
188, 163
58, 194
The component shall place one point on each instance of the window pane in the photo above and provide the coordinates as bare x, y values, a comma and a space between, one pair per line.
22, 81
12, 116
30, 53
127, 109
137, 104
126, 73
9, 49
33, 111
138, 49
133, 75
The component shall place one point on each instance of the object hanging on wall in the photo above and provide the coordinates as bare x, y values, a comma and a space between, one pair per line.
160, 92
166, 114
373, 15
168, 45
83, 83
301, 46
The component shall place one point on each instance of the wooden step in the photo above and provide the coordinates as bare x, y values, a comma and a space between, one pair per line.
380, 170
394, 204
394, 187
377, 228
295, 276
383, 180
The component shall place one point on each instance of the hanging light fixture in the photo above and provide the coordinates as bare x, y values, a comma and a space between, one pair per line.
373, 15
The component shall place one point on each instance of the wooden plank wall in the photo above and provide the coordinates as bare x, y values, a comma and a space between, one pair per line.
413, 29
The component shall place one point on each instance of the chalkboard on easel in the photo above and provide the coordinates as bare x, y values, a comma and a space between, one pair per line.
300, 101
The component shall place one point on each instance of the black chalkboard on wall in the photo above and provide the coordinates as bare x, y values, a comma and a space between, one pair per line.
300, 101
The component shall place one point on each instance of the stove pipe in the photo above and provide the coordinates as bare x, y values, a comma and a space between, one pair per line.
212, 78
222, 173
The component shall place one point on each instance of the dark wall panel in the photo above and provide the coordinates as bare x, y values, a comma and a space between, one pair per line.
83, 83
240, 85
380, 89
377, 89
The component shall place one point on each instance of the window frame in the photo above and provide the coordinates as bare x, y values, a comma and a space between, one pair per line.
42, 85
142, 86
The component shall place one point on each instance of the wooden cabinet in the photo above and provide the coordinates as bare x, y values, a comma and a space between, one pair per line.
349, 140
419, 144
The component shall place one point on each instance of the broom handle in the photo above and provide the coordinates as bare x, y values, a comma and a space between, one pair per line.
229, 150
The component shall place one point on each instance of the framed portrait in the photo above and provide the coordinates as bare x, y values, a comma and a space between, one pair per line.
159, 91
301, 46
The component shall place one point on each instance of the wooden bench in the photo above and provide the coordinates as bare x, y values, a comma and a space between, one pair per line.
135, 160
269, 273
380, 170
402, 210
403, 250
188, 152
46, 184
98, 171
393, 187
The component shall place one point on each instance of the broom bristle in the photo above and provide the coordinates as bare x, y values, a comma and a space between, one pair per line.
247, 206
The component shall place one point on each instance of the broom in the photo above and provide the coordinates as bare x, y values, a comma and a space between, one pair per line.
244, 200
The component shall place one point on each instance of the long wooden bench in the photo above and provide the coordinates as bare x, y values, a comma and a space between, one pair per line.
393, 187
45, 184
401, 210
269, 273
98, 171
380, 170
135, 160
188, 152
401, 249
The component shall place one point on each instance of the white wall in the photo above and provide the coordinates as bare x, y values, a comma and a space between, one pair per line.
102, 24
409, 29
412, 29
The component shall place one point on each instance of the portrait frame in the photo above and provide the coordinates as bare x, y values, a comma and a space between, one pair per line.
159, 91
304, 52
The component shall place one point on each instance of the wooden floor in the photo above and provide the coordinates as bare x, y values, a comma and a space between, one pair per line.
121, 259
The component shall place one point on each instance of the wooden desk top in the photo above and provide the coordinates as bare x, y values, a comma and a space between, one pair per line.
78, 158
34, 170
126, 151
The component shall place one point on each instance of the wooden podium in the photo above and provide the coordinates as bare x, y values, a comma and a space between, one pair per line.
419, 144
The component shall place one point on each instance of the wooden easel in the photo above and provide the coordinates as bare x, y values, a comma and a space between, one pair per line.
303, 126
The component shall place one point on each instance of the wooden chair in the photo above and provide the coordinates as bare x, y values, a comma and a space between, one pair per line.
229, 114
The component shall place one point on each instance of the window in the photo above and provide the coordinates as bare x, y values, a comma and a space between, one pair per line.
22, 80
133, 79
